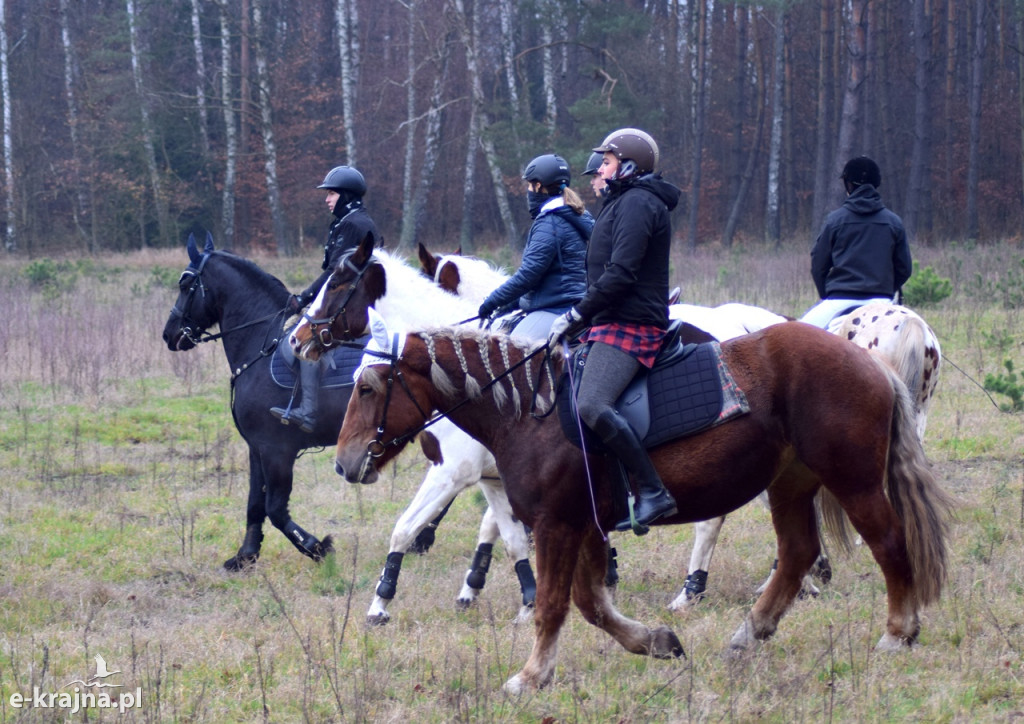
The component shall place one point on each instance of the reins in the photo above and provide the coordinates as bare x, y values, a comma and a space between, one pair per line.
325, 336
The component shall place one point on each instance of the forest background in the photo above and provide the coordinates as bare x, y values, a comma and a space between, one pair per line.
129, 123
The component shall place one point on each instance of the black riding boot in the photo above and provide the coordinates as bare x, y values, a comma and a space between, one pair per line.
653, 501
305, 416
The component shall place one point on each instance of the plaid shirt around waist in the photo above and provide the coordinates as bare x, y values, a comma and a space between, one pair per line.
640, 341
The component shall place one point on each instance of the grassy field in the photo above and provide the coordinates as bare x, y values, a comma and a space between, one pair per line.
124, 485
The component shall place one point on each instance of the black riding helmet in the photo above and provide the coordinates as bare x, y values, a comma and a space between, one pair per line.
345, 178
350, 186
549, 170
861, 170
593, 164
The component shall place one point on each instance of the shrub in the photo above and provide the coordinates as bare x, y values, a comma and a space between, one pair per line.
1007, 385
925, 288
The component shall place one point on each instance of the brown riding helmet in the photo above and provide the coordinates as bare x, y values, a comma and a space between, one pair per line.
632, 144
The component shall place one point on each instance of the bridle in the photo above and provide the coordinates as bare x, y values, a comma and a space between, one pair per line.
321, 327
196, 333
377, 447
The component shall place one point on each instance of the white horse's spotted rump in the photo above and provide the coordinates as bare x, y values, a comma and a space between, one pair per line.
905, 341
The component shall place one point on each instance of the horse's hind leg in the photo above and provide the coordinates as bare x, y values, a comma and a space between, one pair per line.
705, 538
796, 529
499, 520
594, 601
255, 514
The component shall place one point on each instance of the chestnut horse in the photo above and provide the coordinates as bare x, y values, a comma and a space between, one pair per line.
898, 335
823, 415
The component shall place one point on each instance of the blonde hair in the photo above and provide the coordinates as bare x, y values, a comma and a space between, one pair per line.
573, 200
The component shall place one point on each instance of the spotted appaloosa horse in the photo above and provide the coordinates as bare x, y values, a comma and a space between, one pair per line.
823, 415
459, 462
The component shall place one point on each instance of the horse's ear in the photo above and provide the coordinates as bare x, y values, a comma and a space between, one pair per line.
378, 329
208, 249
458, 250
193, 251
364, 251
428, 262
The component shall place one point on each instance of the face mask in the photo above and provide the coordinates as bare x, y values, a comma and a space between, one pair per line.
536, 199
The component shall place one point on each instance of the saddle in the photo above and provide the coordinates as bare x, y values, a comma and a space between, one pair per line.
342, 362
688, 390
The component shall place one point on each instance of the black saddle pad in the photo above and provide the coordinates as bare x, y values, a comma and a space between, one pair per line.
344, 361
691, 391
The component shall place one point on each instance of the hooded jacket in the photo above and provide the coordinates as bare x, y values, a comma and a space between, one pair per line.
628, 254
551, 275
345, 234
862, 250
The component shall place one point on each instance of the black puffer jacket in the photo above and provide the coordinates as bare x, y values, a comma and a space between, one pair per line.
862, 251
627, 258
345, 234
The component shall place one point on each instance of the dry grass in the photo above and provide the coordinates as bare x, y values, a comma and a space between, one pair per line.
124, 486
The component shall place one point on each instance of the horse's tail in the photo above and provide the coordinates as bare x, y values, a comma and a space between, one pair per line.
922, 505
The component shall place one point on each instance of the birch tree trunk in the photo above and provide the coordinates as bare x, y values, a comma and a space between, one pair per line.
346, 21
699, 120
747, 175
470, 39
149, 145
80, 207
823, 165
197, 47
1020, 100
548, 68
405, 238
772, 222
974, 115
11, 236
412, 217
284, 244
468, 183
227, 103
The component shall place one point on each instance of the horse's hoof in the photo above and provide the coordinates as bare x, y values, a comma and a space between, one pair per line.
379, 619
665, 644
525, 615
463, 604
241, 562
322, 549
890, 643
743, 640
822, 570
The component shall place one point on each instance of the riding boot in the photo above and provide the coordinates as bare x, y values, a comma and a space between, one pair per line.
653, 501
305, 416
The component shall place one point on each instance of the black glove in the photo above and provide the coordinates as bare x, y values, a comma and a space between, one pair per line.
487, 308
567, 325
295, 304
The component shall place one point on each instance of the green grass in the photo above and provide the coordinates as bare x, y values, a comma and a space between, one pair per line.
125, 487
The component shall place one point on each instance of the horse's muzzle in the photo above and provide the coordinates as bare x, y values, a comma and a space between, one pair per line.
364, 471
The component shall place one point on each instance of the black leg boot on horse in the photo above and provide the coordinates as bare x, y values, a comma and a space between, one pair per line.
653, 501
305, 416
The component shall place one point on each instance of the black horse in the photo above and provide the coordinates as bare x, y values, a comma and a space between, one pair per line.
249, 305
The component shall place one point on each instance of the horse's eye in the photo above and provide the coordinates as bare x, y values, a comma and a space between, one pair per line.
365, 390
333, 283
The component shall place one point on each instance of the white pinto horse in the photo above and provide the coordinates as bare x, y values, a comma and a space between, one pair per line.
458, 461
898, 335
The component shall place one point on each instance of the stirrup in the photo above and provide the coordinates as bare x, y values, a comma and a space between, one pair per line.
632, 523
283, 414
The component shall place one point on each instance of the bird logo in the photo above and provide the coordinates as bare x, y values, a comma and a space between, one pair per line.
96, 680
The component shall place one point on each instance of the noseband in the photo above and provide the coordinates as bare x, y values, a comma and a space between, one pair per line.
320, 327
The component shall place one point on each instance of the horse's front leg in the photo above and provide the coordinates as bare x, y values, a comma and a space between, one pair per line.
277, 471
558, 550
594, 600
705, 538
255, 514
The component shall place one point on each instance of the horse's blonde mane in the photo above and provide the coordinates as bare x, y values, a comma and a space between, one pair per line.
477, 277
474, 385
